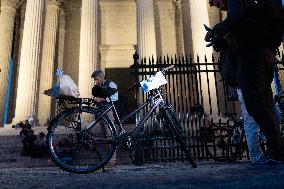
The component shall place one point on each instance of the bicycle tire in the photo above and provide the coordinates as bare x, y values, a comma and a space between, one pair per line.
216, 142
221, 146
237, 146
87, 150
174, 125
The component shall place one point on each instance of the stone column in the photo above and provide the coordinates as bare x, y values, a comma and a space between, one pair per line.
48, 58
178, 25
29, 61
61, 39
146, 39
88, 46
196, 14
186, 27
281, 49
8, 12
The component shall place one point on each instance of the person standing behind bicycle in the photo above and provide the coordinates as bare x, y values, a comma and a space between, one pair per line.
104, 103
256, 27
252, 132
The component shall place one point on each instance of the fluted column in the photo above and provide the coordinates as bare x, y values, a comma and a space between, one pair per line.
178, 25
281, 48
7, 17
186, 23
29, 61
198, 16
88, 46
195, 14
48, 58
146, 39
61, 39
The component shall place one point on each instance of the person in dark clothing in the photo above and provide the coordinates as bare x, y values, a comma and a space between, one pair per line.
99, 91
28, 143
101, 81
40, 146
255, 27
26, 127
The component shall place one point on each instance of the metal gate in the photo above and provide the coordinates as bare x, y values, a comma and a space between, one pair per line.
199, 96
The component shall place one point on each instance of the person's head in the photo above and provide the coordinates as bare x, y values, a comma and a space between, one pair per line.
27, 122
98, 76
221, 4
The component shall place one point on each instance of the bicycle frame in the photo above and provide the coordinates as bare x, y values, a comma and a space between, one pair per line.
155, 101
93, 142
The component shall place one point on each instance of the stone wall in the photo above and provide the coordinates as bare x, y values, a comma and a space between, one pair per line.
117, 37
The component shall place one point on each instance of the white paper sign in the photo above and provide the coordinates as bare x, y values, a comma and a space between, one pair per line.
153, 82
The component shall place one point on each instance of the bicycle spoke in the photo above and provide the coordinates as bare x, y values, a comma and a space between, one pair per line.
76, 149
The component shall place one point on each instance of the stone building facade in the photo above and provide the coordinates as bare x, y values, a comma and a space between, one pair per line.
79, 36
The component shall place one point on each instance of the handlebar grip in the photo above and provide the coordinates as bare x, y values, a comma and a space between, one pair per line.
135, 85
168, 68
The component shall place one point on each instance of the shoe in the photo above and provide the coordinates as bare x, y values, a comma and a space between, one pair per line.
268, 160
260, 159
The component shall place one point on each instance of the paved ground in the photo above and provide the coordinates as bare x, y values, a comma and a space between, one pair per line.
178, 175
160, 176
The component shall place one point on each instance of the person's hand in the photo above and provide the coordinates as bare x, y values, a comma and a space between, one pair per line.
208, 36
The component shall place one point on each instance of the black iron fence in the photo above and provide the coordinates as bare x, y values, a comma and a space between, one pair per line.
199, 97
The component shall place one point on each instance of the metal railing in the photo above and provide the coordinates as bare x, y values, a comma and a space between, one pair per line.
198, 95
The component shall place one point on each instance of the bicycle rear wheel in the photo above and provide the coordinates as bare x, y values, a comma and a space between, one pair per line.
222, 143
238, 145
174, 124
217, 143
77, 149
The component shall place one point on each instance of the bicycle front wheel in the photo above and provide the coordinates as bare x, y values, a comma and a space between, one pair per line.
174, 124
76, 148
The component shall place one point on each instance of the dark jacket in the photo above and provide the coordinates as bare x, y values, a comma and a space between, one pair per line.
253, 23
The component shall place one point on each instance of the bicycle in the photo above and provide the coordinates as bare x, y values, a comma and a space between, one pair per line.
227, 141
77, 145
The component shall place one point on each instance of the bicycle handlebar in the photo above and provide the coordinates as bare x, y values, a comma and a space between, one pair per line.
137, 84
168, 68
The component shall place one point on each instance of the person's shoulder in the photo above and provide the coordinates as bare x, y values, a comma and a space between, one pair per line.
111, 83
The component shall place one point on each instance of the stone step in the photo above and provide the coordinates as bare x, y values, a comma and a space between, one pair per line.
14, 157
11, 148
9, 131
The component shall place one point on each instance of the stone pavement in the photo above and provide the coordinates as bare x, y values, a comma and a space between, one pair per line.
158, 176
11, 148
23, 172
